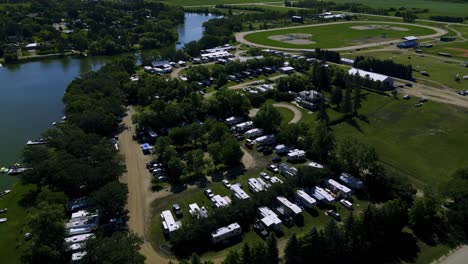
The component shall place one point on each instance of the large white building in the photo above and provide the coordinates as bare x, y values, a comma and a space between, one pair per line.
169, 223
226, 232
372, 76
238, 192
268, 218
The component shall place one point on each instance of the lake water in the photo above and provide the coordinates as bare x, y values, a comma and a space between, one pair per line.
31, 94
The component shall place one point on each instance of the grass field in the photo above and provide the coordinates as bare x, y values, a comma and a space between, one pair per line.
323, 35
12, 231
441, 70
425, 143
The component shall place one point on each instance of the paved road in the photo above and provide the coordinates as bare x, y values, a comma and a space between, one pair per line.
297, 113
459, 256
240, 37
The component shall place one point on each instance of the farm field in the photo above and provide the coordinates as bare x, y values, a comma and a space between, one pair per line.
352, 33
425, 143
441, 70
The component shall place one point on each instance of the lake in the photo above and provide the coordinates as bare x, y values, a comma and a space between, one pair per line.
31, 94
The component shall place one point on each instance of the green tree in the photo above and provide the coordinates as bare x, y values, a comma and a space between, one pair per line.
118, 248
268, 118
322, 114
272, 249
110, 200
246, 256
457, 190
321, 143
357, 99
231, 151
356, 156
292, 251
195, 259
47, 227
337, 96
232, 258
346, 106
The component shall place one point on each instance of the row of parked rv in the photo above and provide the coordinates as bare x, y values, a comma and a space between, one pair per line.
258, 89
164, 68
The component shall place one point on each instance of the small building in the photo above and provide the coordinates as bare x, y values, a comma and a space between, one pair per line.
31, 46
286, 170
269, 219
338, 189
297, 19
295, 155
372, 76
78, 238
226, 232
304, 199
233, 120
347, 61
265, 140
288, 207
286, 70
255, 132
322, 196
197, 212
407, 44
219, 201
238, 192
351, 181
169, 223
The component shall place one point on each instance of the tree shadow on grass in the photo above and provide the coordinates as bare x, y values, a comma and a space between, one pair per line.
29, 199
354, 124
363, 118
178, 187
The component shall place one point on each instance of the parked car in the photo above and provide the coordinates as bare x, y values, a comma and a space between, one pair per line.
239, 137
463, 92
3, 210
267, 151
335, 215
27, 236
260, 148
276, 159
423, 99
249, 143
265, 176
177, 210
209, 193
273, 168
226, 183
163, 178
347, 204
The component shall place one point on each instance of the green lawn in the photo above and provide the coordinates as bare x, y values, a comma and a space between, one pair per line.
286, 114
426, 143
436, 8
441, 70
323, 35
12, 232
212, 2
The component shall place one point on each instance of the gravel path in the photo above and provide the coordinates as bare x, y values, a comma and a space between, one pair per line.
240, 37
297, 113
460, 256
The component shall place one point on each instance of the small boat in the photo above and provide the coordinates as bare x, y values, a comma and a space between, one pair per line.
3, 210
15, 170
3, 170
38, 141
5, 192
3, 220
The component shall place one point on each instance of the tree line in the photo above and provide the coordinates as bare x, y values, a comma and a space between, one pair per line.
387, 67
79, 161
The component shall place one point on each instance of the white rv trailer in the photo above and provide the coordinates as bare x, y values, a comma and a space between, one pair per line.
304, 199
351, 181
322, 196
265, 140
256, 185
269, 219
338, 188
289, 208
219, 201
226, 232
238, 192
254, 132
78, 238
197, 212
295, 155
169, 223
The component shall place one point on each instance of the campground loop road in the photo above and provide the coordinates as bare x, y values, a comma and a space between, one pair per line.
297, 113
240, 37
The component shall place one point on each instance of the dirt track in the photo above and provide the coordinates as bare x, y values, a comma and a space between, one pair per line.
240, 37
297, 113
139, 182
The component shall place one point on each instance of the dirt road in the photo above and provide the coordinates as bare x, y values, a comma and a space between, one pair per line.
459, 256
297, 113
247, 159
240, 37
140, 195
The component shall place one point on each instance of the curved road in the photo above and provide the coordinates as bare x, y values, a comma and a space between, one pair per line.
297, 113
240, 37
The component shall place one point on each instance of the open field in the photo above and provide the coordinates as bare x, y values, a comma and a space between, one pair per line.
368, 32
425, 143
441, 70
436, 8
12, 231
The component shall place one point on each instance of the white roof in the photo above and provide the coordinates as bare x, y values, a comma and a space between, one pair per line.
79, 214
372, 75
227, 229
196, 211
239, 192
291, 206
339, 186
219, 201
168, 221
78, 238
248, 123
305, 197
315, 165
75, 246
410, 38
287, 68
254, 130
78, 255
269, 217
79, 231
321, 194
255, 185
347, 60
216, 54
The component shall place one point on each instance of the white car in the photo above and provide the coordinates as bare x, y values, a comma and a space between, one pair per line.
265, 176
226, 183
209, 193
3, 220
346, 204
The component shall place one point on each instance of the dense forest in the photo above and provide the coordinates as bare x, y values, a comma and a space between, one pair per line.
100, 27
